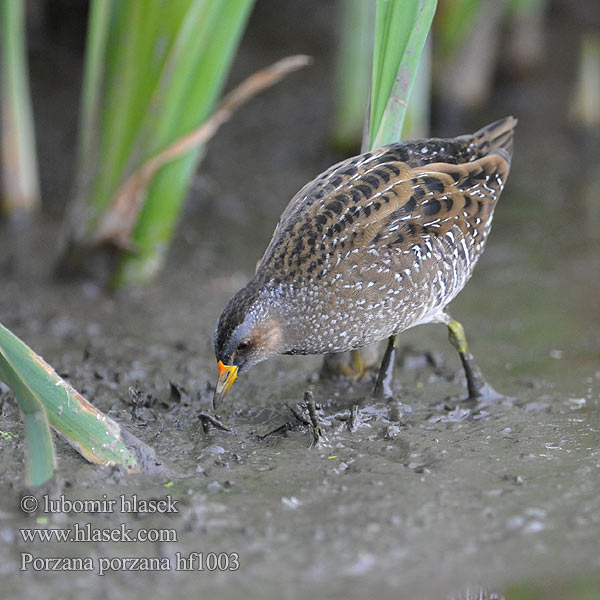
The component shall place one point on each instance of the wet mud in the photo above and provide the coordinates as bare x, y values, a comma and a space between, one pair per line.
418, 497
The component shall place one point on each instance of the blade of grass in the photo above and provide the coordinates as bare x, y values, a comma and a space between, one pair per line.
454, 19
393, 24
130, 69
118, 221
80, 211
164, 70
353, 72
39, 450
20, 179
166, 193
177, 77
399, 42
42, 393
126, 49
140, 36
97, 39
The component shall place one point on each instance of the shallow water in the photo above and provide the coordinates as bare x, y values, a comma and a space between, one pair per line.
429, 495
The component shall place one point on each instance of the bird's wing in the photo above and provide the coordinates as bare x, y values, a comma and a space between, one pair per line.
399, 174
438, 197
379, 204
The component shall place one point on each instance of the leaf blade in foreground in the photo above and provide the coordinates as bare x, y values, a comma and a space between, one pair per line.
39, 449
94, 435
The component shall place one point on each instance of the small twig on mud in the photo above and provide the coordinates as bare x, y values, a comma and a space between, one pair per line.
354, 420
287, 426
314, 418
207, 420
118, 221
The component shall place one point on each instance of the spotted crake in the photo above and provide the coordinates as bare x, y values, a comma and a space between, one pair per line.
376, 244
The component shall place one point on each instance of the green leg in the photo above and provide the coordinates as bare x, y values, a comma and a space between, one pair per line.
359, 368
475, 382
385, 379
335, 365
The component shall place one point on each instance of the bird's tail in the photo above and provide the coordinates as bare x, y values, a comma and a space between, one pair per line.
496, 138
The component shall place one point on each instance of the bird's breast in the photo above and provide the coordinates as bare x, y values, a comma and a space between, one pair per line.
361, 295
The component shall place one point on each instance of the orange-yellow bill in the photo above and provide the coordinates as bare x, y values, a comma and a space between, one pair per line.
227, 375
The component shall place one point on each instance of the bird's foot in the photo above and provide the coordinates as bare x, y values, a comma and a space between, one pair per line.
306, 413
352, 419
355, 364
456, 409
479, 389
384, 386
282, 429
486, 395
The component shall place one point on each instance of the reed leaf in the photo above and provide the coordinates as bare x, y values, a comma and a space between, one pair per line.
44, 398
154, 71
117, 222
39, 449
97, 39
189, 105
353, 73
401, 29
20, 179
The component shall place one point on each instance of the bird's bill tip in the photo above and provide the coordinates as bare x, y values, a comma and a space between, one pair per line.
227, 375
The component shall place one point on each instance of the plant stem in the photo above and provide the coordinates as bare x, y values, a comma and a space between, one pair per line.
160, 211
42, 394
353, 72
401, 29
20, 180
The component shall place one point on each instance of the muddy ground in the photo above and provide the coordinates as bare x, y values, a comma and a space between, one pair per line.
428, 495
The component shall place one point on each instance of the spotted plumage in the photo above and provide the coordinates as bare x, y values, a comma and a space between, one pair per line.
376, 244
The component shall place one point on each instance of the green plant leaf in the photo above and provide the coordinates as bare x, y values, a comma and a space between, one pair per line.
20, 191
353, 72
44, 398
154, 71
39, 450
453, 21
401, 28
91, 96
192, 105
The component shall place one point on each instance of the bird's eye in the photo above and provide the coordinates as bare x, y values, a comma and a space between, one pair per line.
243, 346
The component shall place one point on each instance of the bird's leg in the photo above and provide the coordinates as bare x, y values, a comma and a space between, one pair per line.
351, 364
359, 366
385, 378
476, 384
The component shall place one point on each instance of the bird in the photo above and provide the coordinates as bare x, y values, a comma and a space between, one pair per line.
376, 244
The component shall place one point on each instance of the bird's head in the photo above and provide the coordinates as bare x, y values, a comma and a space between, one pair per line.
249, 331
